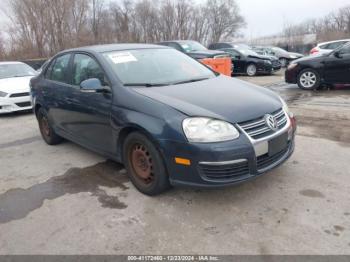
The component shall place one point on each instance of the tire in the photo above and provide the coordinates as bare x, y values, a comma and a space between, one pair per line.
284, 62
145, 165
46, 130
251, 70
309, 79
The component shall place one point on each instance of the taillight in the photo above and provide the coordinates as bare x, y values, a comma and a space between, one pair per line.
314, 51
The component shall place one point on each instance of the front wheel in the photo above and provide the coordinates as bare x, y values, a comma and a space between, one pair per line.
145, 165
309, 79
251, 70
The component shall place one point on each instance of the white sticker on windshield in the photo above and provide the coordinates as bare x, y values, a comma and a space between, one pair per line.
119, 58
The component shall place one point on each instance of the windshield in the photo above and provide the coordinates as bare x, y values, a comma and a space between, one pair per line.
156, 67
16, 70
190, 46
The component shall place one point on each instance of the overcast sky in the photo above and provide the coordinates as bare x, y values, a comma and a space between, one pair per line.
266, 17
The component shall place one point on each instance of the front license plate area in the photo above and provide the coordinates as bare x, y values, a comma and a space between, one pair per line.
278, 144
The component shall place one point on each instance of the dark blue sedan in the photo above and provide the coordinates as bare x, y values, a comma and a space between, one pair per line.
167, 117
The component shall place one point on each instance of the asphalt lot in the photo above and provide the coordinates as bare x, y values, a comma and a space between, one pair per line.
68, 200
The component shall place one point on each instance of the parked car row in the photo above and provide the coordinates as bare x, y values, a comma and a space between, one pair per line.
245, 59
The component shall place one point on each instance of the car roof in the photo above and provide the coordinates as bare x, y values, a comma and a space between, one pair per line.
11, 63
115, 47
335, 41
177, 41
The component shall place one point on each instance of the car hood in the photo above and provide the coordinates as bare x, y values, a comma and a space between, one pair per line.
221, 97
207, 53
311, 58
15, 84
296, 54
263, 57
270, 57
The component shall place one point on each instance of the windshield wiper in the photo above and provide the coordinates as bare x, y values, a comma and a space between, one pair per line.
191, 81
144, 84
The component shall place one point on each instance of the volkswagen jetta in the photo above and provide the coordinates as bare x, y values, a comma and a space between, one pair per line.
167, 117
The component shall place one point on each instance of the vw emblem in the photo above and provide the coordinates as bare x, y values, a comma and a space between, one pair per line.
271, 122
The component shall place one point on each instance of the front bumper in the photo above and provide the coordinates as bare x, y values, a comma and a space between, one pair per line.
224, 164
9, 105
291, 76
265, 69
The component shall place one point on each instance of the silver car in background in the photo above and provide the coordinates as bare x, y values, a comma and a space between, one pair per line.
328, 47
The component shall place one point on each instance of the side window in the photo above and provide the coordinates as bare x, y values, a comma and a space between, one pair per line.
345, 50
85, 67
233, 53
334, 45
175, 46
58, 69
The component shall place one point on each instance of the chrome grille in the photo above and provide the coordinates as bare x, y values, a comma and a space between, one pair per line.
257, 128
20, 94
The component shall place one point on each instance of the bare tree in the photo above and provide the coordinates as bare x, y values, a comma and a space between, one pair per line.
2, 48
40, 28
224, 19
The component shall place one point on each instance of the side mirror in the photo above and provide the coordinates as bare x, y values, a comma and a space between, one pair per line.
337, 54
92, 85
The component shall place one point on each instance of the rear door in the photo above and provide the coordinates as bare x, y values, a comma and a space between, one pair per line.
337, 69
90, 119
56, 90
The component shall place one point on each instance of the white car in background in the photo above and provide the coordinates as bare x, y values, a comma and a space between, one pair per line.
328, 47
14, 86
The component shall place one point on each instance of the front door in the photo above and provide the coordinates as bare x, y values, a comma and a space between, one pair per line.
91, 117
337, 67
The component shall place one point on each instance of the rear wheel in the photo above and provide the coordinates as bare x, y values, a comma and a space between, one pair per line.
46, 130
251, 70
309, 79
145, 165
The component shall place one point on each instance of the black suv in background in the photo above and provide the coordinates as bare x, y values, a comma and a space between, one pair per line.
313, 71
194, 49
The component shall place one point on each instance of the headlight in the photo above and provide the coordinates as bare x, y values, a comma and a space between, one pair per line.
292, 56
207, 130
3, 94
292, 66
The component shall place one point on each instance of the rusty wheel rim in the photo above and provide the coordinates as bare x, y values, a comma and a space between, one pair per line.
45, 128
142, 164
